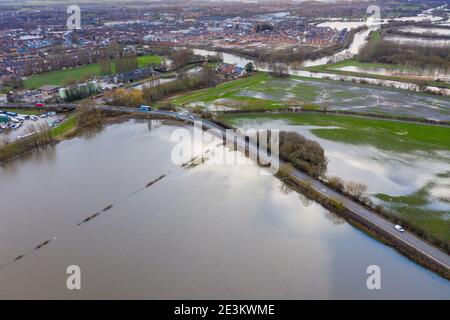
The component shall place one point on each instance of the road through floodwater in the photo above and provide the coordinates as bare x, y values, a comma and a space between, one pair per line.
164, 231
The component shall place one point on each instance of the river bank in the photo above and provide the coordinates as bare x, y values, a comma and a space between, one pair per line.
318, 69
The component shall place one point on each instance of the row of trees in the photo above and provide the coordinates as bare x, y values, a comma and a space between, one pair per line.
206, 78
63, 58
384, 51
128, 98
123, 62
355, 189
126, 62
77, 91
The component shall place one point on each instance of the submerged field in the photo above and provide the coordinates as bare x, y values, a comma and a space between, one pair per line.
63, 77
384, 71
133, 241
264, 91
405, 166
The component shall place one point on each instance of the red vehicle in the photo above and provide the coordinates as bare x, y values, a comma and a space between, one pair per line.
39, 104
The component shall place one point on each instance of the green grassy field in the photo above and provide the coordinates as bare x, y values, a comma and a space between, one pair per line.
63, 77
68, 125
26, 111
375, 35
385, 135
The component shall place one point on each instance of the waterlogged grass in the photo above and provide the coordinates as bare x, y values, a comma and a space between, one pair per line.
355, 63
413, 208
248, 103
383, 134
305, 92
222, 91
260, 91
334, 69
421, 208
63, 77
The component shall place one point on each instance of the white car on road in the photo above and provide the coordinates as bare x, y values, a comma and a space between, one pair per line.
399, 228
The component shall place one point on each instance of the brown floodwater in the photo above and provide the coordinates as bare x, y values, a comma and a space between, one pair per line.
209, 231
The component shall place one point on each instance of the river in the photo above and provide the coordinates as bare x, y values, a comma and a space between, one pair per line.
360, 37
212, 231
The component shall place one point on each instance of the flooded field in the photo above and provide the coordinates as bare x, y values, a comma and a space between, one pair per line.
265, 91
106, 202
426, 42
360, 40
423, 30
402, 173
404, 72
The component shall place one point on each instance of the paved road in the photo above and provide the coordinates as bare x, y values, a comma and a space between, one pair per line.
407, 238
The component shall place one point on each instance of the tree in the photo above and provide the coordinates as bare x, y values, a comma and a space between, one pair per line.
336, 183
356, 189
249, 67
105, 67
129, 98
302, 153
180, 57
208, 76
279, 70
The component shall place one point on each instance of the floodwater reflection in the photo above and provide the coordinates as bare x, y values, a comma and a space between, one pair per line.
215, 231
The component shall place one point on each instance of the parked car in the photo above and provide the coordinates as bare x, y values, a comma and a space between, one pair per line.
39, 105
34, 118
16, 125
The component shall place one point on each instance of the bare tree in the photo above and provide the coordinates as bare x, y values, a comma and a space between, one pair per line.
336, 182
356, 189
